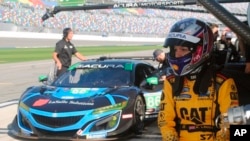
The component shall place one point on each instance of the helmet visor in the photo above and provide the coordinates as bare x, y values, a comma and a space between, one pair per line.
180, 66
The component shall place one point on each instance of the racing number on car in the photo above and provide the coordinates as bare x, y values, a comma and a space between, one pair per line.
78, 90
153, 101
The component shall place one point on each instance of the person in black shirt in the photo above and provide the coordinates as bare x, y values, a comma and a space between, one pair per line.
64, 50
234, 54
225, 52
161, 57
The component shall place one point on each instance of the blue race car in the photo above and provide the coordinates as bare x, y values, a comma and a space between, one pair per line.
96, 99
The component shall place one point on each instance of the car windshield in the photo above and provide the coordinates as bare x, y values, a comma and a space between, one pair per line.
94, 77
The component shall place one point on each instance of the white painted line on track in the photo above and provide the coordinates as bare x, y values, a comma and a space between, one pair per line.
6, 83
4, 131
31, 63
8, 103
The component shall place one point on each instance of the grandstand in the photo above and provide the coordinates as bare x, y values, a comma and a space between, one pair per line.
25, 15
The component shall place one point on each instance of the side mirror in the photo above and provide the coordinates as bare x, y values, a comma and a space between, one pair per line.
151, 84
43, 78
152, 80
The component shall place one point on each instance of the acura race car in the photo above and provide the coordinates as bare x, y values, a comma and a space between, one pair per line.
104, 98
95, 99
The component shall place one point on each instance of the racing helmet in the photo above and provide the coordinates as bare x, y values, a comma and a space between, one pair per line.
66, 32
194, 34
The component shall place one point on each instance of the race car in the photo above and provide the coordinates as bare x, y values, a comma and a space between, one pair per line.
76, 107
101, 98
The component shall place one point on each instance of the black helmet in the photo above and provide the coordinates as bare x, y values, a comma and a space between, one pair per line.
194, 34
66, 31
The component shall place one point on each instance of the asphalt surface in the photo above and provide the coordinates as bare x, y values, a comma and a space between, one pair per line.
16, 77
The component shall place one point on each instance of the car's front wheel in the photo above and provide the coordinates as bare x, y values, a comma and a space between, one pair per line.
139, 114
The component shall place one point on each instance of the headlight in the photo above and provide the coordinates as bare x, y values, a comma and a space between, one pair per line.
24, 106
107, 123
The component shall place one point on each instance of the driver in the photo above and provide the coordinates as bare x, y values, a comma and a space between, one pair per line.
195, 94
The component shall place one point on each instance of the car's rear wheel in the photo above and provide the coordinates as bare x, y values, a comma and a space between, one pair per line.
139, 114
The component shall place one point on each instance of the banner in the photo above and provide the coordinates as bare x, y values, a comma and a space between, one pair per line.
71, 2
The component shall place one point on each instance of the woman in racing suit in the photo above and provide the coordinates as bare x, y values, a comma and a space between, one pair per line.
196, 93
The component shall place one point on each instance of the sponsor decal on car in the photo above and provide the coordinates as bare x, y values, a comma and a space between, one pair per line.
79, 90
96, 135
86, 90
126, 116
79, 132
81, 103
70, 102
153, 100
100, 66
40, 102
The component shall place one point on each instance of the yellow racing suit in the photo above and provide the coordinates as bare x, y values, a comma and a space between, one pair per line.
195, 114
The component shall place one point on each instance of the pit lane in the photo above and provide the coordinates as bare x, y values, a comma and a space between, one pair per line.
16, 77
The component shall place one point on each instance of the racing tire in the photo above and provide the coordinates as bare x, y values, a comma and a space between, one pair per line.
139, 115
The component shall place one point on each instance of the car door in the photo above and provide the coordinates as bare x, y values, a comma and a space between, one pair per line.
151, 95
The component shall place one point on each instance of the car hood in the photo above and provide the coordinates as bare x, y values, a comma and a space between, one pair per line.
61, 99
